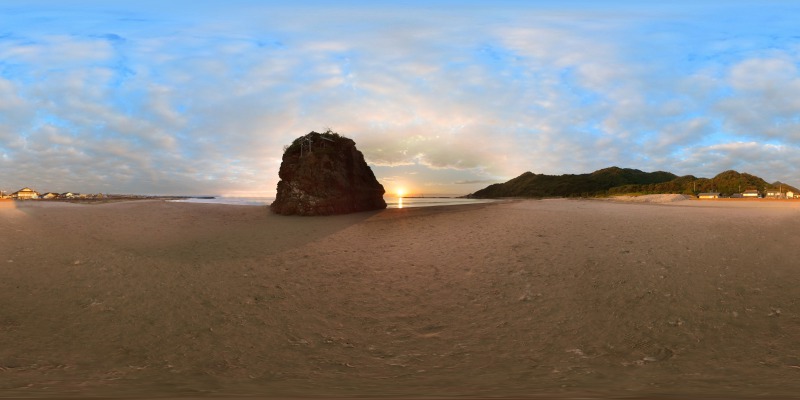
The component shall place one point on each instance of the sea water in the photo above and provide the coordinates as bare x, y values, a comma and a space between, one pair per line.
411, 202
235, 201
391, 202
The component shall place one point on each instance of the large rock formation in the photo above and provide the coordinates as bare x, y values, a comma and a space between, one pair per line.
324, 174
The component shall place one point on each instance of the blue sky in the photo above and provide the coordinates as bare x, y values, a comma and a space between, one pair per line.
188, 97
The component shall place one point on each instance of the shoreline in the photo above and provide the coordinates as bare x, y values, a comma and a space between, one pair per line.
655, 199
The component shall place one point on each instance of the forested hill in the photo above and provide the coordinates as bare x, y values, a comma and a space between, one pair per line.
615, 180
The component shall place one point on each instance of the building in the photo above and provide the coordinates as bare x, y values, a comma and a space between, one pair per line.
790, 195
25, 194
773, 194
49, 195
711, 195
751, 193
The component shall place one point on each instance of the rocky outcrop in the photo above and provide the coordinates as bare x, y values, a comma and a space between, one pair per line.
324, 174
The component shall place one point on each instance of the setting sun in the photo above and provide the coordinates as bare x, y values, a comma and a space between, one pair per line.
400, 192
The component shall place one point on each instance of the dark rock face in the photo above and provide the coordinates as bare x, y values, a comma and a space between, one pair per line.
324, 174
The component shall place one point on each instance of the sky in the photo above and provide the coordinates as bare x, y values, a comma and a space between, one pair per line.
442, 97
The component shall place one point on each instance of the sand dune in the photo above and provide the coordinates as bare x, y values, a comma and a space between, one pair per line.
557, 298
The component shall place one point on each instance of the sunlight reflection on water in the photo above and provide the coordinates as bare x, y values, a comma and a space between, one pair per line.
391, 202
410, 202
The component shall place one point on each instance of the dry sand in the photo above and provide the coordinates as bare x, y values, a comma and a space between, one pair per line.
653, 198
554, 298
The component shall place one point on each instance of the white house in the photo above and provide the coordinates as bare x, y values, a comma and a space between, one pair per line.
752, 193
25, 194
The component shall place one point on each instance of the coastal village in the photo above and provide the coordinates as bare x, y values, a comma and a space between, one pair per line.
27, 193
753, 194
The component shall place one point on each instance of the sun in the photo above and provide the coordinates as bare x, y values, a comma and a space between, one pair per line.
400, 192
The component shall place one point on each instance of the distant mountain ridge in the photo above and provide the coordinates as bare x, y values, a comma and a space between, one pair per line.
615, 181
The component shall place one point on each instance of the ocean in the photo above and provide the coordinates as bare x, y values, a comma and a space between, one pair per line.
411, 202
235, 201
391, 202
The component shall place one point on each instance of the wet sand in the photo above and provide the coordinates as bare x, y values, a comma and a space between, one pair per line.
551, 298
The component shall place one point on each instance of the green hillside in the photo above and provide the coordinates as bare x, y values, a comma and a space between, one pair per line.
593, 184
616, 181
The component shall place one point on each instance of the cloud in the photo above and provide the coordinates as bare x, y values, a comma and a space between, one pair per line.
762, 101
15, 113
475, 181
769, 161
142, 99
54, 51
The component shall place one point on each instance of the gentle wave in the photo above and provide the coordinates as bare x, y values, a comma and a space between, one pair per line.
411, 202
391, 202
234, 201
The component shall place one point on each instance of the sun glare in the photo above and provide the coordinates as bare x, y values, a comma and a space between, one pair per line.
401, 192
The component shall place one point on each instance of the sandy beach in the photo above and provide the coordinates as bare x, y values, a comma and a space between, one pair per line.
549, 298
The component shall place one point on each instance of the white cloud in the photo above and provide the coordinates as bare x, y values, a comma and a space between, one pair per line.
770, 161
201, 104
763, 101
57, 52
763, 74
15, 113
